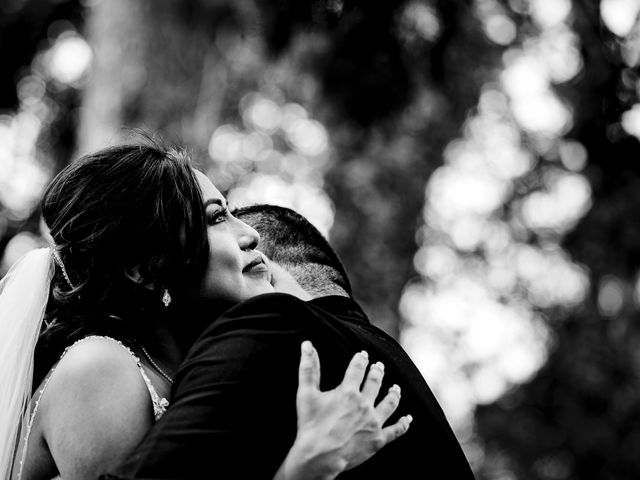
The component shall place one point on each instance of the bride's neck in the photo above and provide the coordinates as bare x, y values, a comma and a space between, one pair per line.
164, 347
170, 339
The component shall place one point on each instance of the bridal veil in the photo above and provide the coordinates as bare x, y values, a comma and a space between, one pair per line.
24, 292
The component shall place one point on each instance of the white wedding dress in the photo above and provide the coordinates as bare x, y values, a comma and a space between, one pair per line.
158, 402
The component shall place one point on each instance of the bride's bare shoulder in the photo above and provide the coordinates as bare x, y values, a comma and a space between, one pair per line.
96, 358
95, 401
96, 373
96, 365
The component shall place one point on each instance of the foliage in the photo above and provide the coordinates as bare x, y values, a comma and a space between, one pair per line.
578, 417
401, 88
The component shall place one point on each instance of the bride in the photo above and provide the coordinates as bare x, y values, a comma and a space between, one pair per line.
94, 326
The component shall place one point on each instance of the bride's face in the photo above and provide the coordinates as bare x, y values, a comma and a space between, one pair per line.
236, 271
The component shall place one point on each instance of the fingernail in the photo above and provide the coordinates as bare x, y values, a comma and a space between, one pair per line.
396, 388
364, 353
307, 347
379, 365
409, 418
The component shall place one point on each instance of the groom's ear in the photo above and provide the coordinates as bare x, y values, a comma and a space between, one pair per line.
284, 282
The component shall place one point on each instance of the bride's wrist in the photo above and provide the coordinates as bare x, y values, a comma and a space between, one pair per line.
308, 459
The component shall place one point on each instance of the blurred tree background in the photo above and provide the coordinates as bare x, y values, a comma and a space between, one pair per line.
475, 162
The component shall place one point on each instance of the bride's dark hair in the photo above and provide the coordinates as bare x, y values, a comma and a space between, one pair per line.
128, 222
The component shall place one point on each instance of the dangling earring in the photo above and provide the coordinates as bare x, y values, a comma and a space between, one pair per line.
166, 298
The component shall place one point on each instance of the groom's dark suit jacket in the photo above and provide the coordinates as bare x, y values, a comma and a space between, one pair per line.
233, 413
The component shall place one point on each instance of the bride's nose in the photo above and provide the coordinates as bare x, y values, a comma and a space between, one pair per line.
249, 237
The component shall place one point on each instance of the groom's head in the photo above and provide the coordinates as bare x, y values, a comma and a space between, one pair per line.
289, 239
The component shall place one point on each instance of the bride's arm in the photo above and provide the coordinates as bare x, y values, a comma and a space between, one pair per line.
341, 428
95, 410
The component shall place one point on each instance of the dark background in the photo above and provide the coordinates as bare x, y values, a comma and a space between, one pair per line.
475, 162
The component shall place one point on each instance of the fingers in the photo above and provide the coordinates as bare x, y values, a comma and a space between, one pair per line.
372, 383
355, 371
309, 370
315, 359
389, 403
396, 430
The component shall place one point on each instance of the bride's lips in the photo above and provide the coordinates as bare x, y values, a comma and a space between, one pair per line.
256, 265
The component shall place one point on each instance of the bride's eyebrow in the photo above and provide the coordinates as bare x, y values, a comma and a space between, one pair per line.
215, 201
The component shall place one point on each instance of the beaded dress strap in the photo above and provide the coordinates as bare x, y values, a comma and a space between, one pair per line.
159, 403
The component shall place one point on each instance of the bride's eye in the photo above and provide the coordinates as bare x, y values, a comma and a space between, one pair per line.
217, 216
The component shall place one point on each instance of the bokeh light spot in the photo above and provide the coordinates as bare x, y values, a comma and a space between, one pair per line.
500, 29
549, 13
631, 120
18, 246
619, 15
422, 19
69, 59
573, 155
307, 137
610, 295
262, 113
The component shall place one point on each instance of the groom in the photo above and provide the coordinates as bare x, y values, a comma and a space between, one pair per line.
246, 380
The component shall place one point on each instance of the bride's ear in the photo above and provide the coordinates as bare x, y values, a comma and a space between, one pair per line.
135, 275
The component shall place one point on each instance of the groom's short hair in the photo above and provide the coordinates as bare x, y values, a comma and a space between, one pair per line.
289, 239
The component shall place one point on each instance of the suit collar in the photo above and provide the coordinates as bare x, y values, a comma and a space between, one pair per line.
341, 306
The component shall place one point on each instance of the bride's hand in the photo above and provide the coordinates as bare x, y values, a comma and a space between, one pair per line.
341, 428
